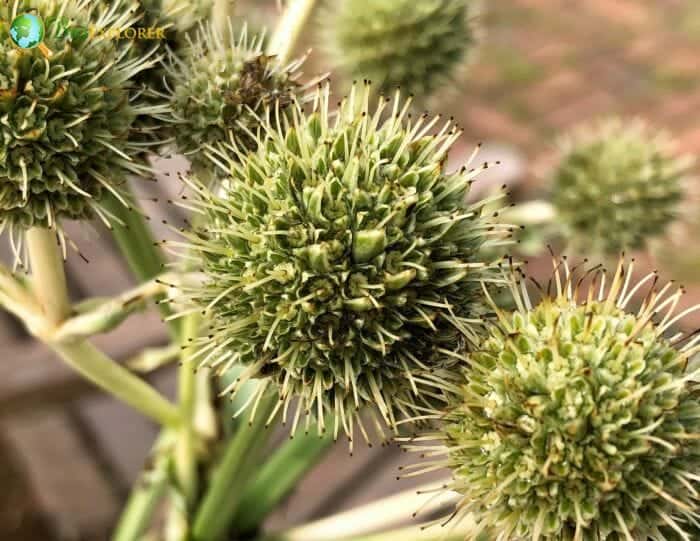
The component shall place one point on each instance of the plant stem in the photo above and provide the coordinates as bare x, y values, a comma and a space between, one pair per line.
215, 514
185, 459
95, 366
138, 246
277, 477
284, 40
142, 503
48, 274
99, 315
17, 298
49, 283
374, 516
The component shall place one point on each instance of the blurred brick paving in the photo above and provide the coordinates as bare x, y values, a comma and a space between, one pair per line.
69, 454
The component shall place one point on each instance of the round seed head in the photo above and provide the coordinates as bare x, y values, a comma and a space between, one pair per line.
220, 88
616, 185
578, 418
68, 114
340, 258
417, 46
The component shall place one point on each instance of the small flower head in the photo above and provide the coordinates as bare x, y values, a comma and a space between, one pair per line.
417, 46
578, 418
341, 257
220, 88
617, 185
68, 114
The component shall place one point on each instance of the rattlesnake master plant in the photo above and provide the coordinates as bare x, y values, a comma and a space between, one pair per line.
578, 418
341, 259
418, 46
220, 88
617, 184
66, 119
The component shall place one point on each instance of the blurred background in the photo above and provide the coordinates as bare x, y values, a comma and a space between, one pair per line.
68, 455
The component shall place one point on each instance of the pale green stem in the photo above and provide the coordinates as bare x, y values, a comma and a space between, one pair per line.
138, 246
142, 502
278, 477
185, 456
205, 418
99, 315
375, 516
95, 366
289, 28
14, 292
48, 274
536, 212
16, 298
49, 284
220, 504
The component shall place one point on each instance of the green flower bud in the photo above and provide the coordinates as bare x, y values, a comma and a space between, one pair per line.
341, 259
67, 115
220, 88
418, 46
578, 418
616, 186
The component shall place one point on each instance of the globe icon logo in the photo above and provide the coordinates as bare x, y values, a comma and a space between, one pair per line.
27, 30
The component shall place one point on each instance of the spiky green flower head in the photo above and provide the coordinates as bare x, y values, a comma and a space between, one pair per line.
419, 46
221, 88
578, 418
617, 184
67, 114
341, 258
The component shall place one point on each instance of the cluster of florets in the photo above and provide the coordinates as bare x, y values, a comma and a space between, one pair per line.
578, 420
341, 260
221, 88
616, 185
418, 46
67, 114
